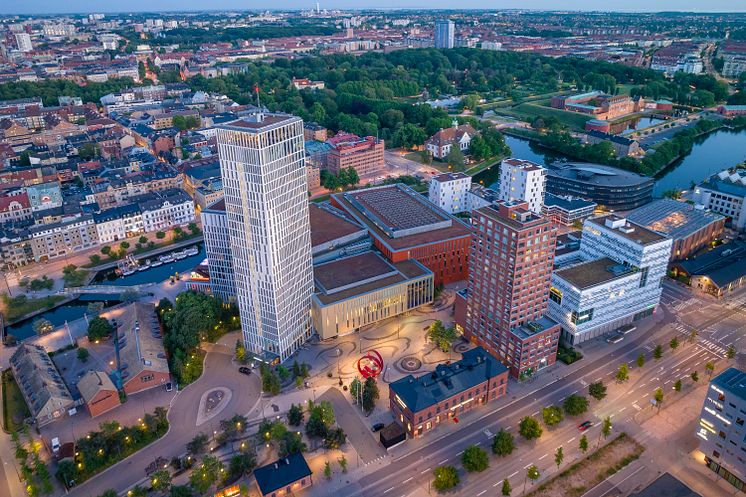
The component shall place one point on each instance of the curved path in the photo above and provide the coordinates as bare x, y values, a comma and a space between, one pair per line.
219, 372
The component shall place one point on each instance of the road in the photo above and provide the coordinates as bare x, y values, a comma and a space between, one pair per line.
411, 474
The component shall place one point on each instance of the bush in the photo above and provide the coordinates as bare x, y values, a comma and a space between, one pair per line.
83, 354
160, 235
99, 328
568, 355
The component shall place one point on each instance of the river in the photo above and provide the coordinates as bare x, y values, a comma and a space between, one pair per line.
711, 153
152, 275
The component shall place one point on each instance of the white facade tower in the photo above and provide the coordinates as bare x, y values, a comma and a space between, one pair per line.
266, 202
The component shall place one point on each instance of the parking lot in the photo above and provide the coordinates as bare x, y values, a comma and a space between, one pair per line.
101, 358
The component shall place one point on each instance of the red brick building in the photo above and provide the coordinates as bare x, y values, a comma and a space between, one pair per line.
511, 259
421, 404
404, 225
142, 359
365, 155
99, 392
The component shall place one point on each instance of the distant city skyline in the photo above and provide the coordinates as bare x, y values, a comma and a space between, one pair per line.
82, 6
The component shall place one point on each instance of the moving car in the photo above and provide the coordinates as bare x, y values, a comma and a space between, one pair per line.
377, 427
244, 370
584, 425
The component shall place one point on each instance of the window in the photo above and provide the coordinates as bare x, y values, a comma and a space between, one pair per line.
555, 295
739, 421
715, 453
582, 316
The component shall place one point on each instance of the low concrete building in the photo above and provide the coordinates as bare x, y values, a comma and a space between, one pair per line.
141, 358
334, 234
284, 477
567, 210
623, 146
421, 404
717, 272
363, 289
98, 392
46, 394
50, 241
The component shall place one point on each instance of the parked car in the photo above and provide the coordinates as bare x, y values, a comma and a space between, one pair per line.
584, 425
377, 427
615, 338
244, 370
169, 386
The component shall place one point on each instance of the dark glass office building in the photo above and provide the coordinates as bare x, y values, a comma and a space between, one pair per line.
611, 188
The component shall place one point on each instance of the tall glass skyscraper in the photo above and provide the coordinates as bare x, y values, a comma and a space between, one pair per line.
266, 203
445, 31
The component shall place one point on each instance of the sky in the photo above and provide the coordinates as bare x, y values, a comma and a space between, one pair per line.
89, 6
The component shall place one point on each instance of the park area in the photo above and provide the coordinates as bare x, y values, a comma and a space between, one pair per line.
14, 406
585, 474
530, 111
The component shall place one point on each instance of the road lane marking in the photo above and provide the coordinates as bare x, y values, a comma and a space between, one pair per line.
408, 479
528, 465
622, 409
425, 471
482, 492
542, 457
573, 438
389, 490
496, 483
459, 453
513, 474
443, 462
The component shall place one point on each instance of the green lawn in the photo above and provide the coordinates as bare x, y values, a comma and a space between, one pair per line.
14, 405
440, 166
19, 306
529, 111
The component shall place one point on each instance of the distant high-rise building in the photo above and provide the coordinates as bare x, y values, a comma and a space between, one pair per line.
23, 41
266, 203
218, 251
510, 270
522, 180
445, 32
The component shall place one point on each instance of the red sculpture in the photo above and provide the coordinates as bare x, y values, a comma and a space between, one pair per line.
370, 365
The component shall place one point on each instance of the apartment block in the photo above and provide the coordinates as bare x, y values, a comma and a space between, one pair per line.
522, 181
449, 192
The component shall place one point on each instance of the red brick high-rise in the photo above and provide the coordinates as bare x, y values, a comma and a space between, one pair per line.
510, 270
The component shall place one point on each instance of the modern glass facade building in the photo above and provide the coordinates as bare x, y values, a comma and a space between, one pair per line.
264, 182
445, 32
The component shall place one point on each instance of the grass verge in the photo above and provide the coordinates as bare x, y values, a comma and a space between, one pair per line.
19, 306
14, 405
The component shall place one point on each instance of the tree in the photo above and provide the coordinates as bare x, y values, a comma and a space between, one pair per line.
206, 475
343, 464
658, 352
328, 470
426, 157
674, 343
640, 360
575, 405
597, 390
605, 428
335, 438
42, 326
532, 474
695, 376
446, 478
291, 443
529, 428
455, 158
99, 328
270, 381
83, 354
658, 396
622, 373
66, 472
295, 415
440, 335
583, 444
198, 444
559, 456
143, 239
503, 444
356, 389
693, 336
181, 491
320, 419
677, 385
370, 394
731, 353
240, 352
710, 368
160, 235
506, 488
124, 245
352, 177
552, 416
95, 258
160, 480
474, 459
241, 464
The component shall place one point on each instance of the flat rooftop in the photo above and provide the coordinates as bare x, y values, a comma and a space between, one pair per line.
597, 174
533, 327
453, 229
594, 273
567, 203
732, 380
442, 178
258, 122
359, 274
329, 224
638, 234
676, 219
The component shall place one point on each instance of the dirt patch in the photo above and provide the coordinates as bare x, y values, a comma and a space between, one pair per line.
592, 470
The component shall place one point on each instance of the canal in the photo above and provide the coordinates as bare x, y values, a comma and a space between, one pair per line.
153, 274
711, 153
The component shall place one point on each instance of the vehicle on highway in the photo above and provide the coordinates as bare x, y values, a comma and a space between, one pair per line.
377, 427
244, 370
584, 425
615, 338
627, 328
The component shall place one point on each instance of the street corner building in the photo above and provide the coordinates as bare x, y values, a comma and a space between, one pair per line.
405, 225
510, 269
421, 404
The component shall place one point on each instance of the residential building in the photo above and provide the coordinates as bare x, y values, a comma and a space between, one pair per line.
218, 251
718, 272
732, 110
510, 269
314, 132
692, 228
445, 32
440, 143
98, 392
421, 404
365, 155
15, 249
522, 181
566, 210
616, 281
480, 196
335, 234
448, 191
609, 187
266, 200
141, 359
59, 239
313, 176
404, 225
622, 145
684, 56
725, 193
364, 289
720, 427
44, 196
165, 209
733, 54
305, 83
284, 477
14, 208
23, 41
46, 394
118, 223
